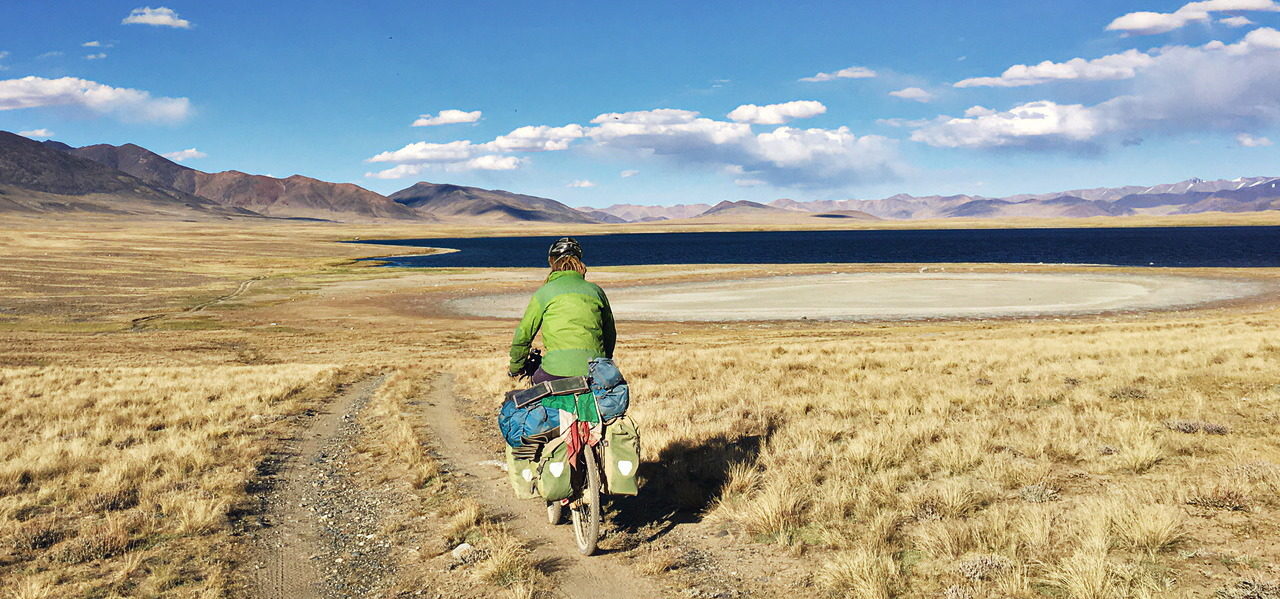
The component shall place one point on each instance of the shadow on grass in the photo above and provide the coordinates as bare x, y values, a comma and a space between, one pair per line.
682, 483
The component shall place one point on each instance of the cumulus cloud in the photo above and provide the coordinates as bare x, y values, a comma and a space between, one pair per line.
119, 102
1030, 124
1248, 141
98, 56
95, 44
978, 111
447, 117
1150, 23
187, 154
487, 162
785, 156
1236, 21
540, 138
423, 152
581, 183
777, 114
845, 73
161, 17
34, 133
1124, 65
912, 93
1236, 87
628, 173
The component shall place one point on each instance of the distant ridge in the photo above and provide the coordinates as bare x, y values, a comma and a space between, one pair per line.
295, 196
39, 178
460, 203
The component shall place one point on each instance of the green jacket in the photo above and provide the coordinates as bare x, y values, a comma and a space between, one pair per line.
576, 324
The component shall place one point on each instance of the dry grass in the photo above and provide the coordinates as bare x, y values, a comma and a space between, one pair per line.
100, 467
891, 454
1043, 442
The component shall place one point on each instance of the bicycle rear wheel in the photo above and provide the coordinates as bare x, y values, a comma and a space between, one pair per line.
585, 509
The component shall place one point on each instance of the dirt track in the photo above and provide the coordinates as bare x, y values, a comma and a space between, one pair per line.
315, 521
595, 577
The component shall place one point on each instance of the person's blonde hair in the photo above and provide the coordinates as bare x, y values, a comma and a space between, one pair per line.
573, 263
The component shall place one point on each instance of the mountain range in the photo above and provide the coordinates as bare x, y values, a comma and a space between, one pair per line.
53, 177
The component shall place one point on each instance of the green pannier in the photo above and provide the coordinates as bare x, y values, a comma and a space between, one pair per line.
523, 475
621, 456
553, 471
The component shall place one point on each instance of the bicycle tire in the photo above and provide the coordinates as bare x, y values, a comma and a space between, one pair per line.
585, 511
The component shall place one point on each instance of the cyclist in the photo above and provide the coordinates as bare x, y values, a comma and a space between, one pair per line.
573, 315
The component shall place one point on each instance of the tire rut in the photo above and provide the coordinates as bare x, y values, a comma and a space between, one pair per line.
318, 538
576, 576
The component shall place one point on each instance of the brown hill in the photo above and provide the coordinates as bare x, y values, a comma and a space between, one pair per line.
295, 196
472, 204
38, 178
638, 213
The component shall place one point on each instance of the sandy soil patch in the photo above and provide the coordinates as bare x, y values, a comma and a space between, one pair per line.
876, 296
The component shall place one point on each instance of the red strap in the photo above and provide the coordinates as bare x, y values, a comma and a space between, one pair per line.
579, 437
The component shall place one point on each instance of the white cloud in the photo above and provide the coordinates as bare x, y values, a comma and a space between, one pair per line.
397, 172
161, 16
978, 111
1249, 141
447, 117
95, 44
749, 182
1236, 21
1025, 125
1149, 23
628, 173
454, 151
785, 156
122, 103
777, 114
48, 54
98, 56
845, 73
912, 93
187, 154
581, 183
488, 162
1214, 87
540, 138
1124, 65
44, 133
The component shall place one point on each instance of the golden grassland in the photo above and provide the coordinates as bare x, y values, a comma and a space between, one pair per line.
1106, 456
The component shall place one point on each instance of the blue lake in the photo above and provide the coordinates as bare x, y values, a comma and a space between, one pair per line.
1138, 246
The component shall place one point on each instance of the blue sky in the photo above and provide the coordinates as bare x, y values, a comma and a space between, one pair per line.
663, 102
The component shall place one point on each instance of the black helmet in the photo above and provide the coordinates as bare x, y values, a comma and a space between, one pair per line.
565, 246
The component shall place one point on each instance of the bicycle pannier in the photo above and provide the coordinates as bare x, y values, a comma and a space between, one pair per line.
553, 471
621, 456
522, 474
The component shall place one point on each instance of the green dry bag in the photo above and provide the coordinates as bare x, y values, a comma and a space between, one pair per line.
553, 471
621, 456
523, 475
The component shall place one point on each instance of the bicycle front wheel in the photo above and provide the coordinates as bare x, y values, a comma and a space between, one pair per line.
585, 509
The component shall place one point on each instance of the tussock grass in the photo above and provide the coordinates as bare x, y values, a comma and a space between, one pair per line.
1044, 443
122, 480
